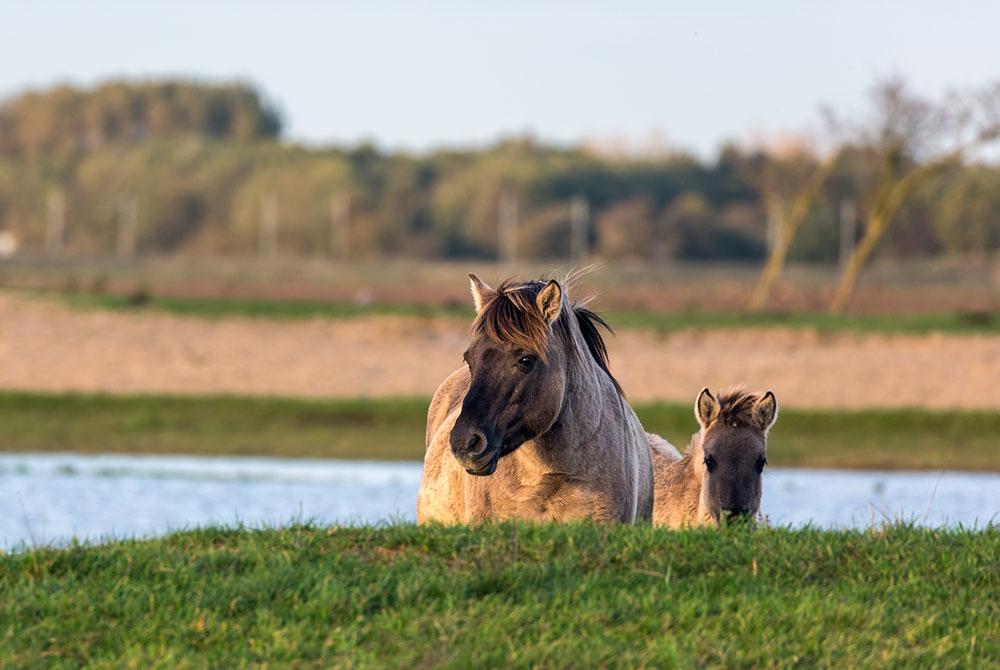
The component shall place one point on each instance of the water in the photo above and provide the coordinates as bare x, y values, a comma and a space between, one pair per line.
51, 498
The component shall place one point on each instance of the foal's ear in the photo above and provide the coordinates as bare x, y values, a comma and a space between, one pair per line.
549, 301
765, 411
706, 408
481, 292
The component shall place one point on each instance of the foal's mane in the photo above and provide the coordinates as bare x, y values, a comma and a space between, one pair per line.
512, 316
737, 403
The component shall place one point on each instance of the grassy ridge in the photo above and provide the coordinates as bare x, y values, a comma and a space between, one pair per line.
394, 429
882, 439
955, 323
212, 425
509, 596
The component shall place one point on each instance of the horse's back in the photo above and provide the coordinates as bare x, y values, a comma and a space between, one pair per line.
661, 450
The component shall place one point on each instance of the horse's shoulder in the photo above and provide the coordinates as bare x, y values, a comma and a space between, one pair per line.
439, 443
446, 398
440, 495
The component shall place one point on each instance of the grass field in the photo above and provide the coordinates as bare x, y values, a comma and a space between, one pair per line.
394, 429
962, 322
509, 596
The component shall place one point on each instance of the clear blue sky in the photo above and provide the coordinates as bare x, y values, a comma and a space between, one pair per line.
418, 75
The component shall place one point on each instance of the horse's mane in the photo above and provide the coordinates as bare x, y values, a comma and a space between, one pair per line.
736, 403
512, 316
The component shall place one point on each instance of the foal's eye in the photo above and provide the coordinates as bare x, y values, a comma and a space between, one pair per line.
710, 463
525, 363
761, 462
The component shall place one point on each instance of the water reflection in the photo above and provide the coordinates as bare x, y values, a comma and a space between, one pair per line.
50, 498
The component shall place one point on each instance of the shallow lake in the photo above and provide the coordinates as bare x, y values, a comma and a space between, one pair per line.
51, 498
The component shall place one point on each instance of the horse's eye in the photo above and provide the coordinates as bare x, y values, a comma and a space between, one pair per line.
761, 462
710, 463
525, 363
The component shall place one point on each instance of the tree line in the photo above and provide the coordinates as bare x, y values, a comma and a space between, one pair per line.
201, 168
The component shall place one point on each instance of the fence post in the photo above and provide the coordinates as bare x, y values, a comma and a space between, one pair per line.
128, 225
340, 226
267, 237
8, 243
55, 221
848, 230
774, 229
507, 226
579, 215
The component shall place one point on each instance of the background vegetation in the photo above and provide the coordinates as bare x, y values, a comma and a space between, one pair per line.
389, 429
204, 161
961, 322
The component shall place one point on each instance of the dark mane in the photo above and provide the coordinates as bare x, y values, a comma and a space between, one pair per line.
737, 404
512, 316
588, 322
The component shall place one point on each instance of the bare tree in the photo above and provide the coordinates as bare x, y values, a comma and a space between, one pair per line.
910, 140
789, 180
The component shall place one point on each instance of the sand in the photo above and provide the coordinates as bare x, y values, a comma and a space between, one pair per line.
50, 347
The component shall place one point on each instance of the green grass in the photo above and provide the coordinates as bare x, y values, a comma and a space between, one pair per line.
394, 429
212, 425
509, 596
215, 308
955, 323
878, 439
959, 323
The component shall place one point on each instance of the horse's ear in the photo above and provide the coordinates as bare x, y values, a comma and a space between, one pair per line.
765, 411
549, 301
706, 408
481, 292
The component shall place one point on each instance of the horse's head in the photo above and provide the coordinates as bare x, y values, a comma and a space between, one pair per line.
518, 372
734, 451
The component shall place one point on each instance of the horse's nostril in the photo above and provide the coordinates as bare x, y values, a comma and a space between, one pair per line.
475, 444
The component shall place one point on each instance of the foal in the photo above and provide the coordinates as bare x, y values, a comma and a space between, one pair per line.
720, 474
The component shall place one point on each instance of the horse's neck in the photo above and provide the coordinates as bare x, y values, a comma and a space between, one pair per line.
592, 406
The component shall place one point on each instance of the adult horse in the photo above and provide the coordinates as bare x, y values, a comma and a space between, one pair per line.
534, 426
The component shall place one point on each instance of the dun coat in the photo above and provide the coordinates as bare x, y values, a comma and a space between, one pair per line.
533, 426
720, 474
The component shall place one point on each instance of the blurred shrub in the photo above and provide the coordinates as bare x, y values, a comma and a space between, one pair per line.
202, 160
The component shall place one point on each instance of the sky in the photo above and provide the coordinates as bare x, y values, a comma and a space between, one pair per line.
419, 75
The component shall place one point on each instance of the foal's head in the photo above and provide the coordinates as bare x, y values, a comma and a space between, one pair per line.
518, 359
734, 450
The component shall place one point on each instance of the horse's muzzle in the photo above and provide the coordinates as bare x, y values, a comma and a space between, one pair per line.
474, 453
